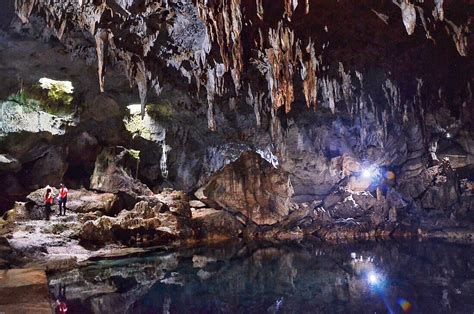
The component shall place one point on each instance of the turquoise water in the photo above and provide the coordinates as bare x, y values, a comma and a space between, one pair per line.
388, 277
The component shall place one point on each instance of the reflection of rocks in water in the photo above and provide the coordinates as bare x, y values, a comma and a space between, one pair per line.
308, 278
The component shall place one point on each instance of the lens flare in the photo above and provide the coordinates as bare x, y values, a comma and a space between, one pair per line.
404, 304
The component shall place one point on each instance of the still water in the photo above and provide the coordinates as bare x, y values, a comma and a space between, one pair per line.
387, 277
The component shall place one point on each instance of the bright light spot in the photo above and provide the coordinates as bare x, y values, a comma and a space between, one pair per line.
62, 86
135, 108
367, 173
373, 278
448, 135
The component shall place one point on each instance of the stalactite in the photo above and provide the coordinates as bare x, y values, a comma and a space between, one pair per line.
288, 9
310, 84
306, 8
438, 11
459, 35
392, 94
346, 88
280, 59
224, 25
329, 92
384, 18
164, 158
260, 11
256, 101
424, 23
408, 15
142, 84
24, 8
101, 41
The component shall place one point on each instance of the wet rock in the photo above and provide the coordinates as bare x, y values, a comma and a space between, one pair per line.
253, 187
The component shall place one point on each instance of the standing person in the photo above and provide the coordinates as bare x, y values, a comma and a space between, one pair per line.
62, 199
48, 202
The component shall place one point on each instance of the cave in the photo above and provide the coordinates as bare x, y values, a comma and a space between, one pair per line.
230, 156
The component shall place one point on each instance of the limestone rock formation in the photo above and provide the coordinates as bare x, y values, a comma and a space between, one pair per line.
113, 173
146, 224
252, 186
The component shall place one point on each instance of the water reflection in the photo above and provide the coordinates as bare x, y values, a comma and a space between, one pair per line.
426, 277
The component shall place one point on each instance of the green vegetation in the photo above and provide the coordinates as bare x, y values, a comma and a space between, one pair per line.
54, 97
134, 153
23, 100
134, 124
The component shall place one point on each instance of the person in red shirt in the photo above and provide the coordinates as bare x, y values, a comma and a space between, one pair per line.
48, 202
62, 199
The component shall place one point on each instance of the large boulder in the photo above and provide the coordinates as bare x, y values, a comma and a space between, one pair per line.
80, 201
83, 201
113, 173
252, 186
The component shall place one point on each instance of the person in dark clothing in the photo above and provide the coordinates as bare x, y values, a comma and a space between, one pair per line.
48, 202
62, 199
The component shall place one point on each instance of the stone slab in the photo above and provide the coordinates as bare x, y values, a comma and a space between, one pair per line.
24, 291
